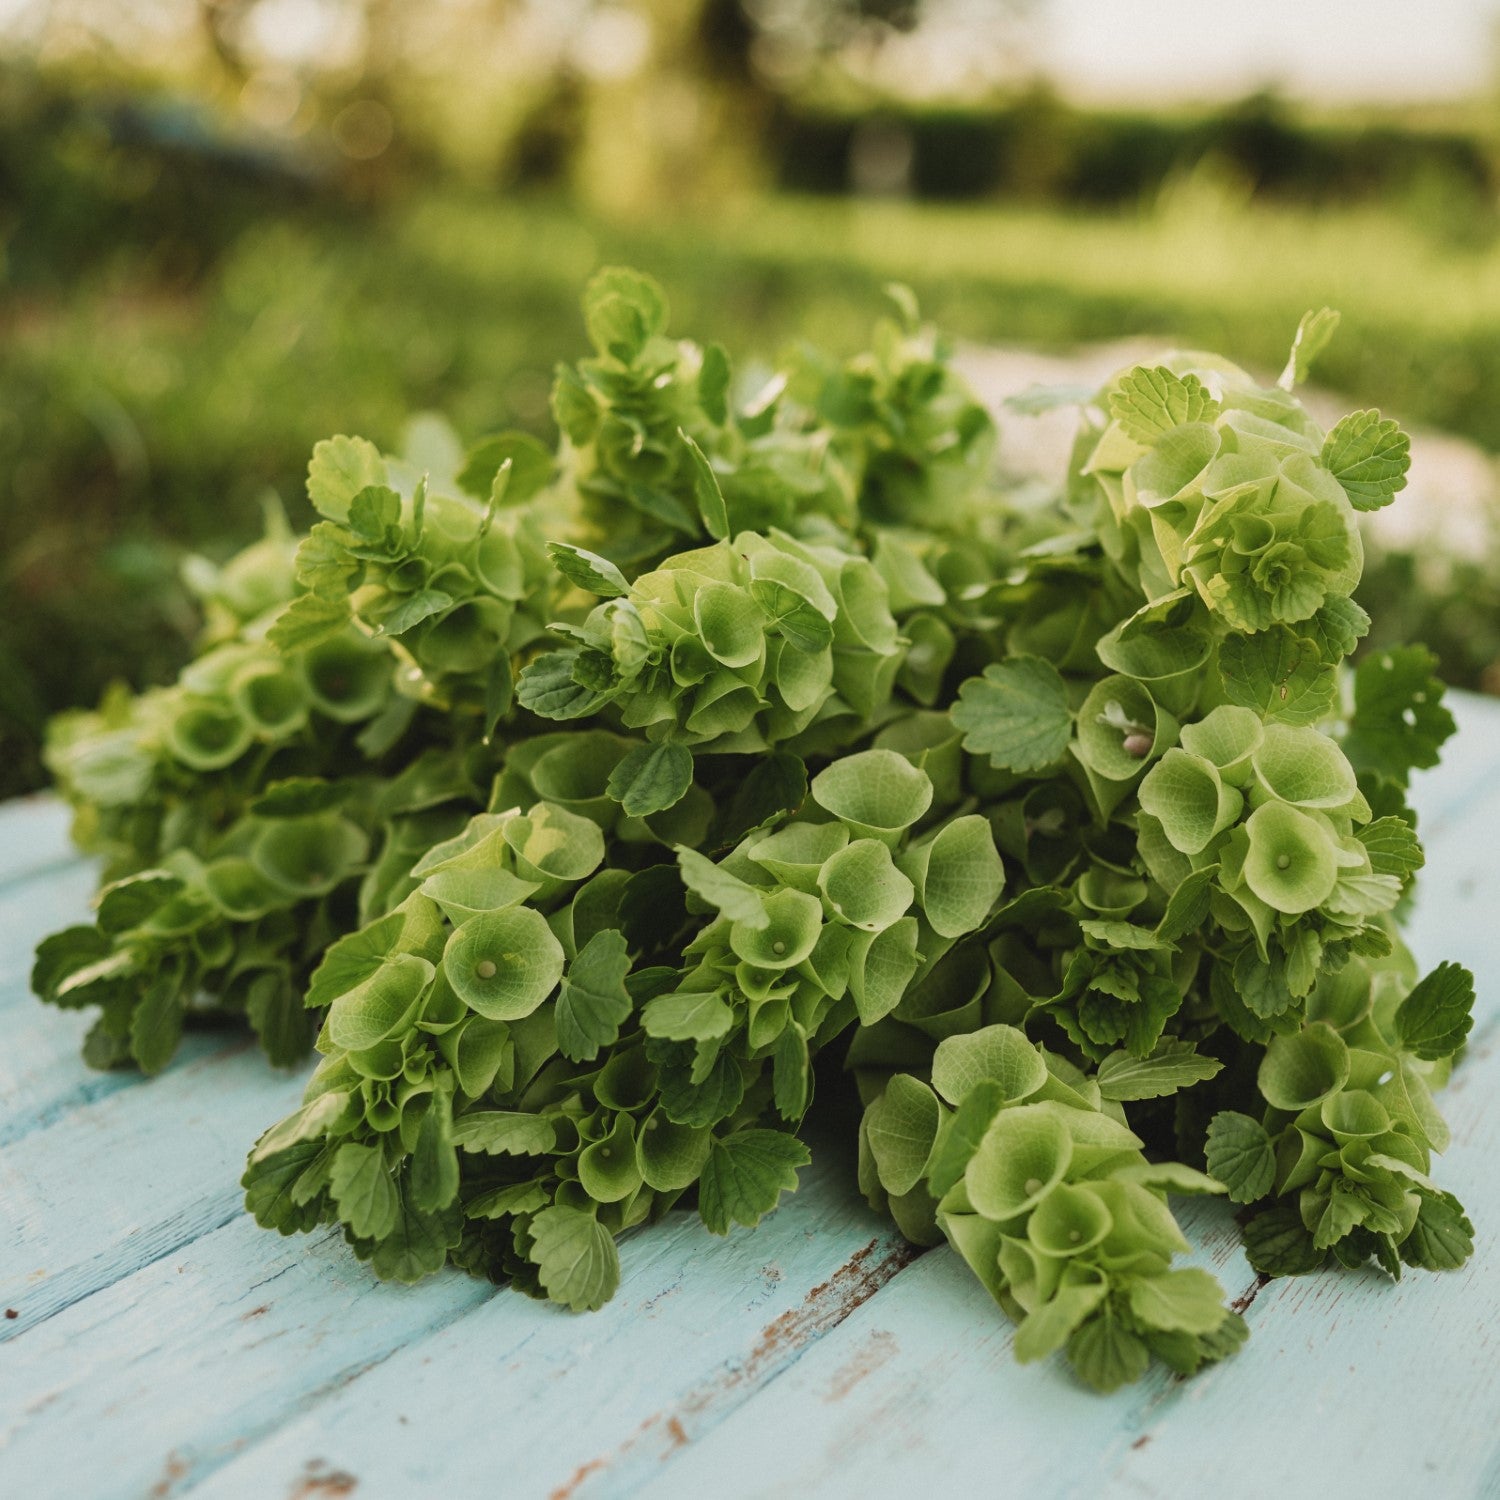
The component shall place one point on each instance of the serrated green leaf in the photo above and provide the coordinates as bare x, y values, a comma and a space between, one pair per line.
1105, 1354
745, 1174
269, 1182
1172, 1065
1337, 628
518, 1198
652, 778
1442, 1239
593, 1002
340, 468
1186, 1301
374, 511
498, 1132
1016, 713
1241, 1156
1369, 455
280, 1019
792, 1075
548, 688
588, 571
688, 1016
1436, 1016
776, 784
309, 620
1188, 905
1170, 1177
156, 1026
414, 609
364, 1190
1277, 1243
708, 1101
531, 466
1047, 1328
1149, 402
1393, 847
328, 1113
1399, 722
63, 954
1279, 675
713, 383
418, 1242
124, 904
111, 977
325, 564
433, 1171
575, 1257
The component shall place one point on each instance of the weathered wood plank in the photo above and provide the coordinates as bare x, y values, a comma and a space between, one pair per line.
156, 1381
117, 1184
920, 1387
545, 1402
1349, 1385
1352, 1385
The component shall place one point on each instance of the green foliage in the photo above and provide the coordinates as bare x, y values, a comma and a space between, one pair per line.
1049, 1199
1369, 455
576, 803
1017, 714
131, 437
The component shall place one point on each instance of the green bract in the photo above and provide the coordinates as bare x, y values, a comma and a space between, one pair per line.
575, 801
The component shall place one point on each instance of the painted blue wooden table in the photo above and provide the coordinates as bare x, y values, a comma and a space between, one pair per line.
163, 1345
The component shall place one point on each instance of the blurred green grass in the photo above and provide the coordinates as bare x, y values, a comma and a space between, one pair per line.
137, 422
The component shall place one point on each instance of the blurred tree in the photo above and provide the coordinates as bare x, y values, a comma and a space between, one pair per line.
672, 113
223, 23
639, 102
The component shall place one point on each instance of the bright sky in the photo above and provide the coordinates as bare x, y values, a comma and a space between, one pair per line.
1331, 49
1109, 50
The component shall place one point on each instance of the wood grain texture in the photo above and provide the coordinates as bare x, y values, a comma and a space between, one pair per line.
557, 1404
120, 1182
198, 1355
164, 1345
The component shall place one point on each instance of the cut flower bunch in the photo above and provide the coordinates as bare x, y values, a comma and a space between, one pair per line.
589, 809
